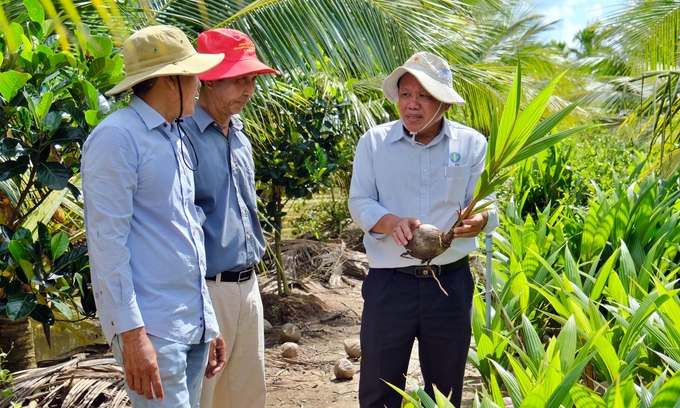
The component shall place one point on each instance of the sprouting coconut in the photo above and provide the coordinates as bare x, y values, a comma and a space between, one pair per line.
428, 243
518, 135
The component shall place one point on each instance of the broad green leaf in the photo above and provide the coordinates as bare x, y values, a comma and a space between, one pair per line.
511, 384
11, 82
589, 231
27, 268
585, 398
44, 105
43, 314
533, 342
523, 380
571, 269
13, 37
54, 175
526, 122
99, 46
92, 117
18, 251
20, 305
627, 272
616, 291
509, 117
36, 12
608, 355
562, 392
520, 288
650, 303
59, 244
566, 343
603, 276
63, 308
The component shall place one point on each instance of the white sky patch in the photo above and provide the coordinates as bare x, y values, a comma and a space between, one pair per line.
573, 15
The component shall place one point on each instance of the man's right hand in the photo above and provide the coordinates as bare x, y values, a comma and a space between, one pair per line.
399, 228
141, 366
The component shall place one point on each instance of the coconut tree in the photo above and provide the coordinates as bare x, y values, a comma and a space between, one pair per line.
647, 31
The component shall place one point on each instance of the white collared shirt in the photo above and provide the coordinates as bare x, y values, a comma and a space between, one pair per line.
431, 183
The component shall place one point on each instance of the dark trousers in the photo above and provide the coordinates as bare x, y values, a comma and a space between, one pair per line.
399, 308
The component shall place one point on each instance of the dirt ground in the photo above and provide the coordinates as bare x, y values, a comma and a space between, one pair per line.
325, 317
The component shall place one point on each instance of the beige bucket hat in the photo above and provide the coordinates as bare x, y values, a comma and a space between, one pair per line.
161, 51
433, 73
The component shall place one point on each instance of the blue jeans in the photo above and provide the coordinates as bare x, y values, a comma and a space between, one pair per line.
181, 366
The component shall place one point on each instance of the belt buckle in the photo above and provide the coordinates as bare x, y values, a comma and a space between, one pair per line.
427, 271
244, 275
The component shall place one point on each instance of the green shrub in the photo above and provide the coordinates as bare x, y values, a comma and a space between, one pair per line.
321, 220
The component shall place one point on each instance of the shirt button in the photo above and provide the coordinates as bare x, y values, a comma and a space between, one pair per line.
200, 325
200, 318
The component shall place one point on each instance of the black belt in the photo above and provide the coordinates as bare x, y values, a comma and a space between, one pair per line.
428, 271
234, 276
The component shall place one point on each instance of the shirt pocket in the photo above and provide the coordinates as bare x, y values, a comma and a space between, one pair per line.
456, 180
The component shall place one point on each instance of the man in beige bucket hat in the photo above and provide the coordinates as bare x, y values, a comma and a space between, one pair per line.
420, 169
144, 232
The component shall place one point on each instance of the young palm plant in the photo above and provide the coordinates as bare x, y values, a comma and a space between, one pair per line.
518, 135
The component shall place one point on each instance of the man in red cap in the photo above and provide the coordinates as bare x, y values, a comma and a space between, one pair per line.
225, 191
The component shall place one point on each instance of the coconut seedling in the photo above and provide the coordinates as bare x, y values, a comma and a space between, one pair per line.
518, 135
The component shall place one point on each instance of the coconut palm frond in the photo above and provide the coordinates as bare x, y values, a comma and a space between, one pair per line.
647, 33
75, 383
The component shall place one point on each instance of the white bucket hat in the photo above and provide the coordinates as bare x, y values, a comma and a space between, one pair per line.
161, 51
432, 72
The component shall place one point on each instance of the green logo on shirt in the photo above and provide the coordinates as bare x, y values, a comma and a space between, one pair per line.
455, 157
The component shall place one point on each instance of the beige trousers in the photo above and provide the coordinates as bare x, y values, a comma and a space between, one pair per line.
238, 307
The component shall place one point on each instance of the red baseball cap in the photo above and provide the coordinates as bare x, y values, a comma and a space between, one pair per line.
239, 54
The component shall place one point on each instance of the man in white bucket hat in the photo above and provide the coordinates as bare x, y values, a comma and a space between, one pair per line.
144, 234
419, 169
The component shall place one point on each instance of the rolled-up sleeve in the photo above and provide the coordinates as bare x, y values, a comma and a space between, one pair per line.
109, 183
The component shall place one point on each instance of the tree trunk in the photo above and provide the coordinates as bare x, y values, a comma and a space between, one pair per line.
17, 341
282, 280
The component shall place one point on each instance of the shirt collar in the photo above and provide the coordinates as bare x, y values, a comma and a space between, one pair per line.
398, 133
203, 120
151, 118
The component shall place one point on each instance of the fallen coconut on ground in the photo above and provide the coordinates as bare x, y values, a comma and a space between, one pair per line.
344, 369
289, 350
352, 347
290, 332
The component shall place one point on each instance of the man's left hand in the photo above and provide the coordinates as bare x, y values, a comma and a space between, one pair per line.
472, 226
217, 357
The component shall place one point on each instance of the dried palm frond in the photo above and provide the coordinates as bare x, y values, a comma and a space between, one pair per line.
77, 383
307, 261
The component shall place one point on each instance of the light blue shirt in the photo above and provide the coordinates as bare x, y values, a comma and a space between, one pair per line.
225, 191
143, 231
431, 183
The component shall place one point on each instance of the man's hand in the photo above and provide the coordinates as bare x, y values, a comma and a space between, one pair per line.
399, 228
141, 366
472, 226
217, 357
